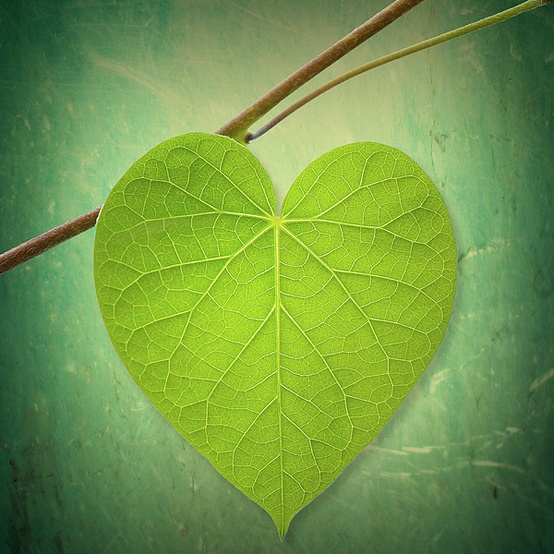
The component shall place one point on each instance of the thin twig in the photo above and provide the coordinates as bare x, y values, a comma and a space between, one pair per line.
450, 35
34, 247
239, 125
237, 128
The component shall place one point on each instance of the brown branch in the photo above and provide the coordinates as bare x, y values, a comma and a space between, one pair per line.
34, 247
237, 128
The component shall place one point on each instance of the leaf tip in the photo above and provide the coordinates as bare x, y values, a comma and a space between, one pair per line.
282, 532
282, 527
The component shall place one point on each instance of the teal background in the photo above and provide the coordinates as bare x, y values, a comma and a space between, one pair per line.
86, 87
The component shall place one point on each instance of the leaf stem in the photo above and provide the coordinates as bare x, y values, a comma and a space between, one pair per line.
445, 37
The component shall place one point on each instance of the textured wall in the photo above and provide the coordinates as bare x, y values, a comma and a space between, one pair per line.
86, 87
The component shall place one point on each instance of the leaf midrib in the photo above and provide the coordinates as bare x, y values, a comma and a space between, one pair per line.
276, 233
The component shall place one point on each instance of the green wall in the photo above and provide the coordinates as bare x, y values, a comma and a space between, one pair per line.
86, 87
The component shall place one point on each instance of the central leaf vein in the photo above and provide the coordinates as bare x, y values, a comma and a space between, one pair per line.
276, 231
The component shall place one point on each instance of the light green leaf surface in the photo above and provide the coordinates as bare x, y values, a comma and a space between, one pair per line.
277, 346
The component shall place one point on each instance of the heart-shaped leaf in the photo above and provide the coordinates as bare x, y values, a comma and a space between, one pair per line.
277, 346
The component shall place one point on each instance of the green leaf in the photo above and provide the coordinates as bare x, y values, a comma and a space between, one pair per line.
277, 346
